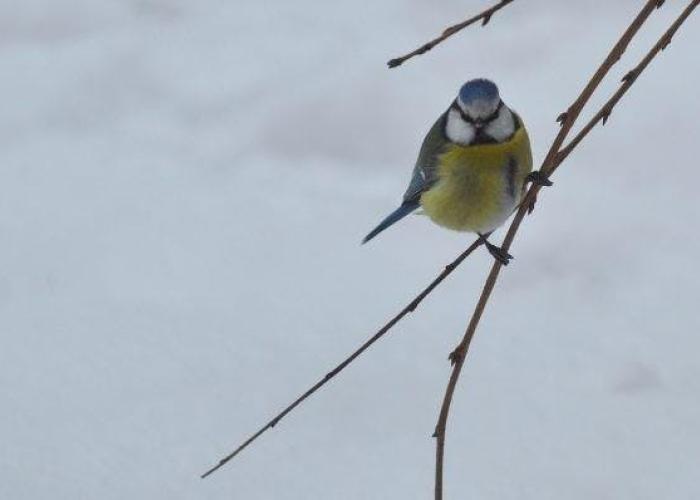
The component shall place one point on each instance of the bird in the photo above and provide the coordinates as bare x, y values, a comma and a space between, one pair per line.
472, 168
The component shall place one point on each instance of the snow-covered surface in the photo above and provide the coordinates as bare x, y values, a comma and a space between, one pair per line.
183, 189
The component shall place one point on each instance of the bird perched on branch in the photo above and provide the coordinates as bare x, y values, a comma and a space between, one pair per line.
472, 168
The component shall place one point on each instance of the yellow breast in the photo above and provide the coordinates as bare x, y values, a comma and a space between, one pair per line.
479, 186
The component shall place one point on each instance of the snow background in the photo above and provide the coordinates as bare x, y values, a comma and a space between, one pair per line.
183, 189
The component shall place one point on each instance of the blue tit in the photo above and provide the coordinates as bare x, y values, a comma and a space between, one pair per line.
472, 168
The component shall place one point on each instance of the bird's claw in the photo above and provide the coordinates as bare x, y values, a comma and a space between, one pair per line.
538, 178
498, 253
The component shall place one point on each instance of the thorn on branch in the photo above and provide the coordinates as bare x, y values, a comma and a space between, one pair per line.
531, 205
666, 42
486, 19
606, 115
456, 356
562, 118
449, 31
631, 76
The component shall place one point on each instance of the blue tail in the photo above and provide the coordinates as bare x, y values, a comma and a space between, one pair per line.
395, 216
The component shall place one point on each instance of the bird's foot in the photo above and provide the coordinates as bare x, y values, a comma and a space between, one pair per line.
497, 252
538, 179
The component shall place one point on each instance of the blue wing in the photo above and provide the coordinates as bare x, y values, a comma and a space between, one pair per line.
425, 171
423, 177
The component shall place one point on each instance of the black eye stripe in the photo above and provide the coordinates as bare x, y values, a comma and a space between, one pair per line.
470, 120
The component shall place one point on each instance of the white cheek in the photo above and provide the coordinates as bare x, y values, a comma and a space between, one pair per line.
458, 130
503, 126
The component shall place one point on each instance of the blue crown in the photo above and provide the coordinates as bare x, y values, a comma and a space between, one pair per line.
479, 89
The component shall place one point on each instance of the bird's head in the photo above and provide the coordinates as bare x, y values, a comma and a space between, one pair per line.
479, 115
479, 101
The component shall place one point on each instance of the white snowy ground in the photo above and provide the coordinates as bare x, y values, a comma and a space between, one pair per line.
183, 189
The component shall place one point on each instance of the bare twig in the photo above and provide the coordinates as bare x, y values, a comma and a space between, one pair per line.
484, 17
409, 308
568, 117
627, 81
551, 162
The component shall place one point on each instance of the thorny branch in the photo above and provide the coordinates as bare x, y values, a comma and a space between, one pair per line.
484, 17
552, 161
380, 333
627, 81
